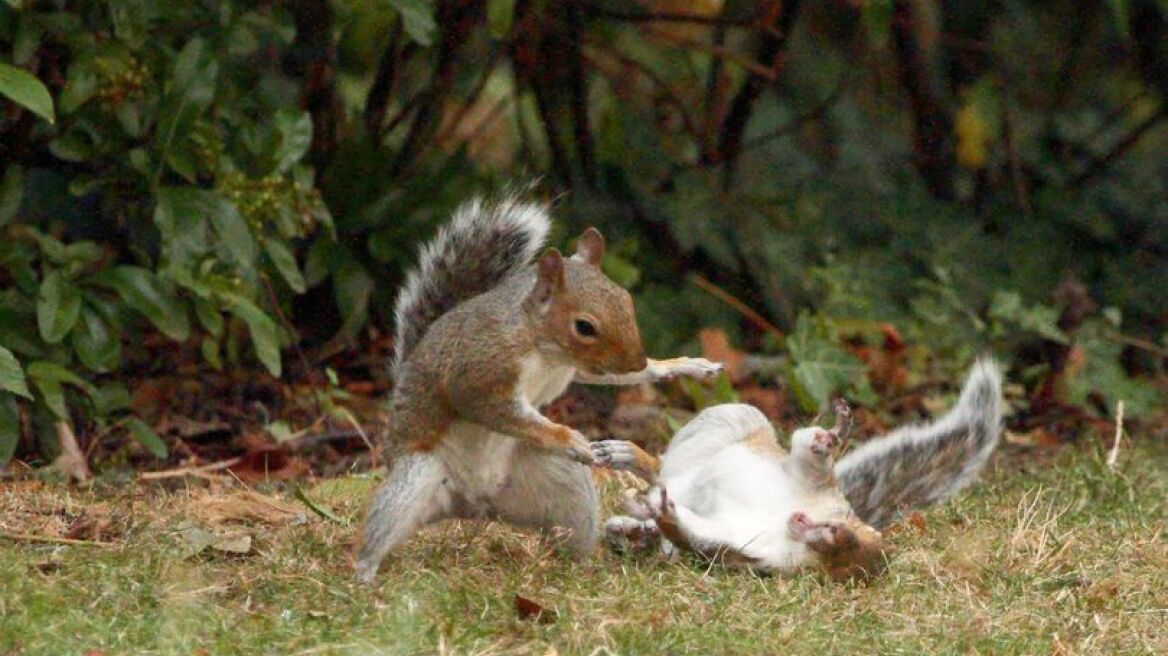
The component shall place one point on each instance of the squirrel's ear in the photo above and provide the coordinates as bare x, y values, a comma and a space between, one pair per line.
590, 247
551, 275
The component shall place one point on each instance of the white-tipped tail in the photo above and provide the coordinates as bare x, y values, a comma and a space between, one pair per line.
484, 243
916, 466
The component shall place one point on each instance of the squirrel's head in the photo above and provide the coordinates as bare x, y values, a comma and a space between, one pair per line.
587, 316
847, 549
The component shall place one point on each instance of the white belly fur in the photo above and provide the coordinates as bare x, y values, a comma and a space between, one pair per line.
480, 459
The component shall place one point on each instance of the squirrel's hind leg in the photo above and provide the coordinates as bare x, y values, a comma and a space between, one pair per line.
551, 493
413, 496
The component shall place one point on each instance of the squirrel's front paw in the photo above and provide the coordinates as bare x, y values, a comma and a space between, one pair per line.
613, 454
580, 449
694, 368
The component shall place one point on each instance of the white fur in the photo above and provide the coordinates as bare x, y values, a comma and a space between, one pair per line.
727, 493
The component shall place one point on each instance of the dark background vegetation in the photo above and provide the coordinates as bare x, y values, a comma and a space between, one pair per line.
873, 191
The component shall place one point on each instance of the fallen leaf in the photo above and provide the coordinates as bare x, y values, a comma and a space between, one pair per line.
533, 610
917, 521
194, 539
245, 507
1038, 436
770, 401
237, 544
270, 463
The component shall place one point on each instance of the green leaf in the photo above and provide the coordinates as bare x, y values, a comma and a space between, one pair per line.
149, 295
876, 15
191, 91
264, 333
80, 85
417, 18
209, 347
25, 90
9, 427
48, 377
285, 263
353, 289
209, 316
500, 15
822, 367
11, 375
295, 130
96, 344
147, 437
1007, 306
11, 193
180, 216
58, 306
1121, 12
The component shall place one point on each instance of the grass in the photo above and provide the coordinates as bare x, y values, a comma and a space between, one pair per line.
1053, 553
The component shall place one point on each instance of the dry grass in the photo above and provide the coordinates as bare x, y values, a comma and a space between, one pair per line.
1057, 556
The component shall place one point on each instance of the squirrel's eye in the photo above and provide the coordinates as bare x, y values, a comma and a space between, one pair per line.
585, 328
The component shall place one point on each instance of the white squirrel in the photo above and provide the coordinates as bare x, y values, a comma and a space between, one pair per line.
726, 489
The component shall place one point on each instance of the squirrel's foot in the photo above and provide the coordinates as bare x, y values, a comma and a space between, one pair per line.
366, 572
630, 533
692, 368
661, 507
819, 536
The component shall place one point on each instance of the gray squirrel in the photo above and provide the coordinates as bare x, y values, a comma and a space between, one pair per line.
725, 489
487, 332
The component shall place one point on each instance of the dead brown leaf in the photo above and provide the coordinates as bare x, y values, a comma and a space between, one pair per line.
268, 464
770, 401
529, 609
716, 346
247, 507
917, 521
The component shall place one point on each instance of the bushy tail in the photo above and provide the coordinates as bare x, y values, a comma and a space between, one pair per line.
919, 465
485, 242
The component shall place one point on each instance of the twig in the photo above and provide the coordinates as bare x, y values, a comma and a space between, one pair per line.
598, 62
932, 126
348, 416
779, 15
1016, 175
189, 471
288, 325
1113, 455
722, 295
665, 17
765, 72
578, 87
1100, 164
1136, 342
49, 539
385, 82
